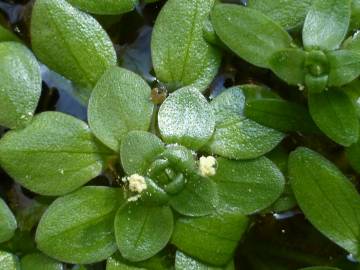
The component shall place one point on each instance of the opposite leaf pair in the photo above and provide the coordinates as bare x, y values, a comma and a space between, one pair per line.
319, 66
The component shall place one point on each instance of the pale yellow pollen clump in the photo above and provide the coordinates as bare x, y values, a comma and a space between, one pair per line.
207, 166
137, 183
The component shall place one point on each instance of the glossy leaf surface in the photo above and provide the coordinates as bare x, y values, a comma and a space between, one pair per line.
70, 42
288, 13
281, 115
344, 67
335, 115
107, 7
79, 227
119, 103
142, 231
138, 150
186, 118
237, 137
38, 261
326, 24
54, 155
184, 262
182, 57
288, 65
9, 261
315, 179
249, 33
8, 222
211, 239
20, 86
248, 186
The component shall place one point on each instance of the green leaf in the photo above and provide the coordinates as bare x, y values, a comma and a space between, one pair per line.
70, 42
254, 91
183, 57
237, 137
355, 15
119, 103
326, 24
79, 227
107, 7
180, 158
248, 186
316, 84
327, 198
344, 67
154, 195
230, 103
353, 154
287, 200
198, 198
138, 150
38, 261
54, 155
353, 42
288, 13
211, 239
352, 90
319, 268
184, 262
288, 65
281, 115
20, 86
335, 115
249, 33
8, 223
9, 261
241, 138
7, 35
142, 231
161, 261
210, 35
186, 118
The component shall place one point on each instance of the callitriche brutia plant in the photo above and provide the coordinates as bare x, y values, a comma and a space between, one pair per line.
167, 170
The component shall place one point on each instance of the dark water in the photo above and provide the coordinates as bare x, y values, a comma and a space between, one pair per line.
275, 241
